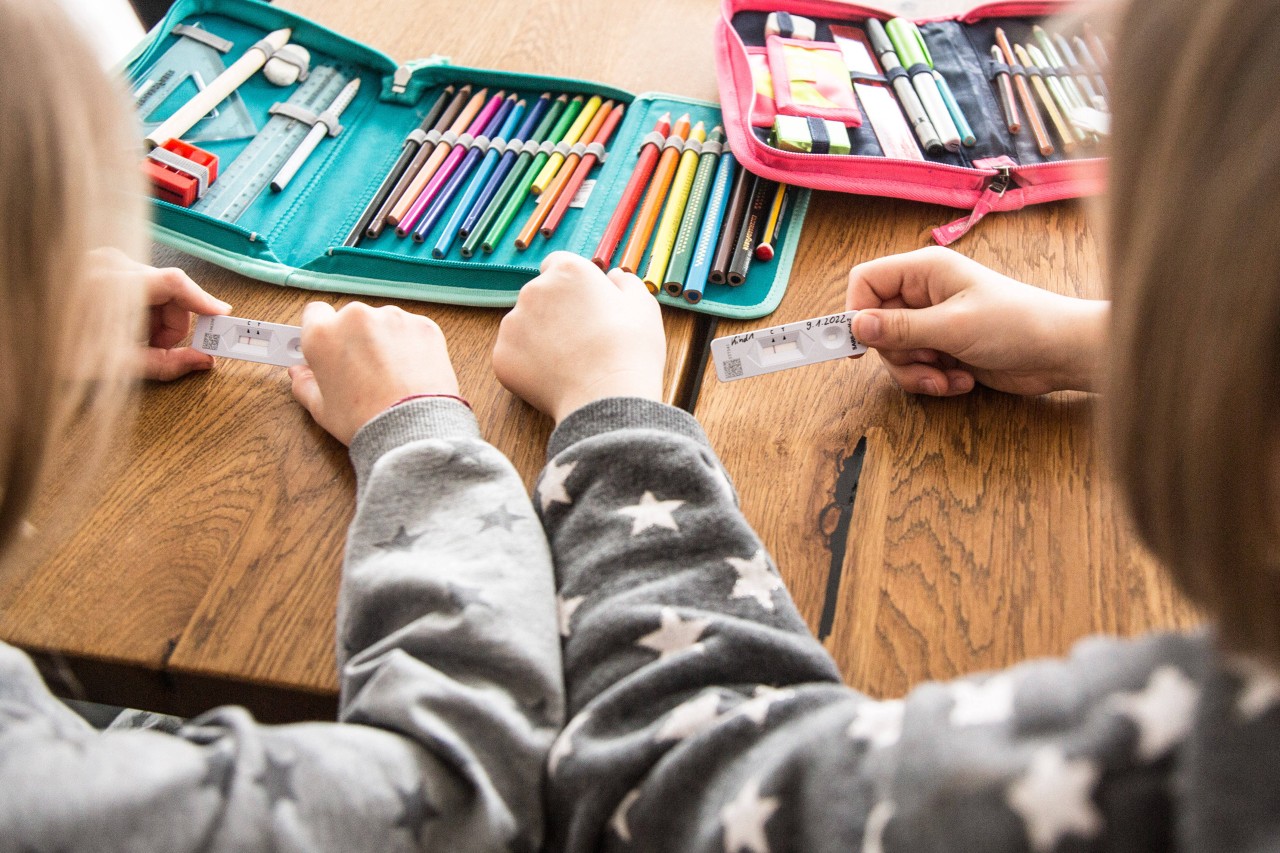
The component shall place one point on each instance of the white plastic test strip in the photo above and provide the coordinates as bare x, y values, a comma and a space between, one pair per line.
783, 347
249, 340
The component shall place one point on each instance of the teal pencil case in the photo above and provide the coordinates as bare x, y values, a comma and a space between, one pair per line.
295, 236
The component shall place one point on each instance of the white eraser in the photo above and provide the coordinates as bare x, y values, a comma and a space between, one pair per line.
783, 347
249, 340
790, 26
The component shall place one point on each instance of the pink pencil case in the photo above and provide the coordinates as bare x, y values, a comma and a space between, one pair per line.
1001, 172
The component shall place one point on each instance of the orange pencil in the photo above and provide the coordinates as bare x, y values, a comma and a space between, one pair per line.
574, 182
429, 168
1024, 93
549, 195
652, 205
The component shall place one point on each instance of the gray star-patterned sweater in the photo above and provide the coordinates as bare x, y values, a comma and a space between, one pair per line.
450, 680
705, 717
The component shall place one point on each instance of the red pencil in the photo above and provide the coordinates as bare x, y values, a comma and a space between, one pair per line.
631, 195
585, 165
647, 218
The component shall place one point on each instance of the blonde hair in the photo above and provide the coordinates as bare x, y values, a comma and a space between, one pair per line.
1193, 410
69, 183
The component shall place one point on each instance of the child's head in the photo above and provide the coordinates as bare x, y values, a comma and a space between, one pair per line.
1194, 255
68, 184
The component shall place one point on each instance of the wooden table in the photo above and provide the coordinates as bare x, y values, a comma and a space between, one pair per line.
983, 530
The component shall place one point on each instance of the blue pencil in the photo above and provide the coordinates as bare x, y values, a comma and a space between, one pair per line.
504, 166
441, 202
706, 246
477, 183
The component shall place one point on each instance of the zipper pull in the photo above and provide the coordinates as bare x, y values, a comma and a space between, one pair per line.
401, 79
953, 231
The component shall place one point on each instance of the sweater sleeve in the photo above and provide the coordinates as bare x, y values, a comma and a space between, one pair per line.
451, 692
704, 716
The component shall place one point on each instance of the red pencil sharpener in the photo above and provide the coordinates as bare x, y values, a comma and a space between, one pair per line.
180, 172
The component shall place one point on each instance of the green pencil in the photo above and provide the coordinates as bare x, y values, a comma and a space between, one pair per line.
495, 204
682, 255
516, 200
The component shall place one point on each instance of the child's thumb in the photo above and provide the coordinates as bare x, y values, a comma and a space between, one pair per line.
905, 328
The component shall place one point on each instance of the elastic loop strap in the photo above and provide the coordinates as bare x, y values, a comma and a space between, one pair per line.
465, 140
531, 146
294, 112
710, 147
432, 137
548, 147
449, 137
920, 68
857, 76
203, 36
417, 135
480, 143
579, 149
1078, 70
998, 67
181, 164
786, 27
653, 138
1017, 69
596, 149
562, 148
693, 145
499, 145
266, 47
818, 133
675, 142
330, 121
1046, 71
895, 73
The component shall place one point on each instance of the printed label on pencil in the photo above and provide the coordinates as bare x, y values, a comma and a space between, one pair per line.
249, 340
583, 194
783, 347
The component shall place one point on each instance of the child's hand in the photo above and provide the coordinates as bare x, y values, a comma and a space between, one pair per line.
172, 299
360, 360
577, 335
942, 322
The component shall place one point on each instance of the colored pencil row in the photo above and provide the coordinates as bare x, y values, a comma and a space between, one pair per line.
489, 153
694, 228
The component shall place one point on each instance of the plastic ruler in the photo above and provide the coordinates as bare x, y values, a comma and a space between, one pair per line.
249, 173
190, 60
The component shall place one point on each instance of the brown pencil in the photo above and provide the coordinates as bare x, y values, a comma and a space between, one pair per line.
735, 212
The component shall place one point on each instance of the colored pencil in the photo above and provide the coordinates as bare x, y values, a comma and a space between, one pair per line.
536, 125
408, 148
1091, 65
750, 232
498, 200
576, 131
457, 151
647, 218
1037, 83
447, 118
442, 149
1069, 58
554, 190
1100, 53
664, 240
695, 209
521, 189
1024, 94
497, 147
777, 210
647, 162
704, 250
1012, 119
585, 165
449, 179
736, 212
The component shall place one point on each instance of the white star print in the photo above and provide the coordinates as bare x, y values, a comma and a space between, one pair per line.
979, 704
877, 819
744, 820
1162, 711
1053, 798
566, 607
754, 579
878, 722
619, 821
563, 747
757, 708
674, 635
651, 512
690, 717
551, 489
1259, 690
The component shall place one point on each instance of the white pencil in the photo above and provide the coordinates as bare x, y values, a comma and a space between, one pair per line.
217, 91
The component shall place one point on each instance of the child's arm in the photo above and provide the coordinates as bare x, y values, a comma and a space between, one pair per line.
703, 714
451, 682
941, 321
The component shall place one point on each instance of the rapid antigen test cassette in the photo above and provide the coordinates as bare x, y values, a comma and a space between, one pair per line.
783, 347
249, 340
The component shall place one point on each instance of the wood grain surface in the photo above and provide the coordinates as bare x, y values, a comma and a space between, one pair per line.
984, 529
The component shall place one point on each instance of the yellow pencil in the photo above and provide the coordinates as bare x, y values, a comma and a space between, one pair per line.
665, 240
548, 173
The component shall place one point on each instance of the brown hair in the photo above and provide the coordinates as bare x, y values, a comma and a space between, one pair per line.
68, 183
1193, 409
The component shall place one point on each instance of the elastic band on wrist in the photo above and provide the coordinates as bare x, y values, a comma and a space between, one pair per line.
430, 396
